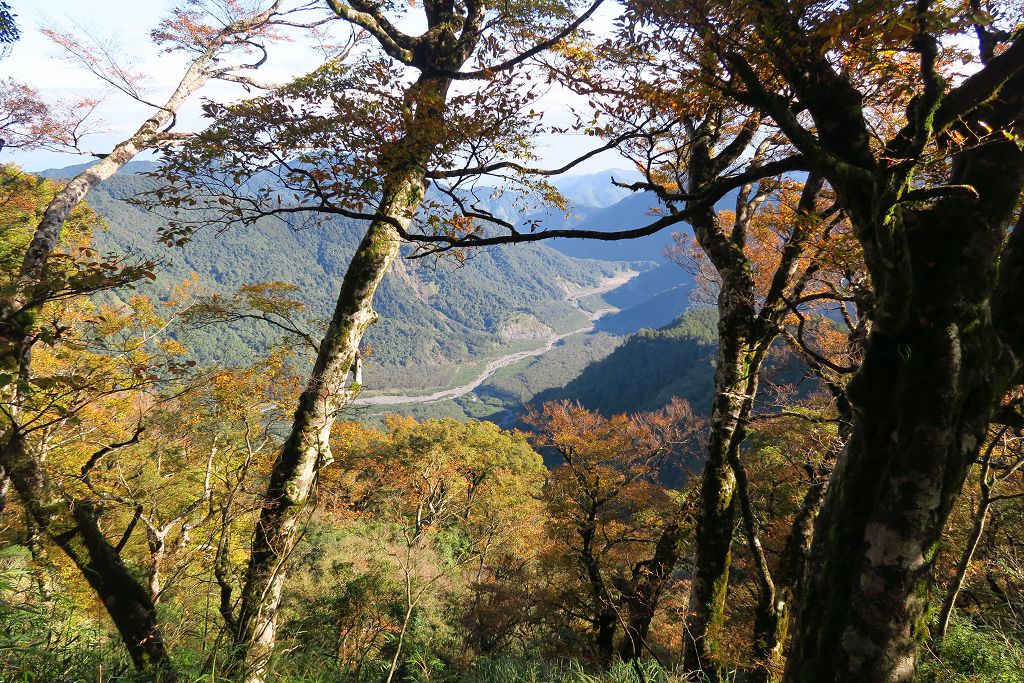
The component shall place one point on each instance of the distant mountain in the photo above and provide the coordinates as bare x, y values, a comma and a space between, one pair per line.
635, 211
435, 317
596, 189
653, 366
653, 299
651, 283
131, 168
656, 312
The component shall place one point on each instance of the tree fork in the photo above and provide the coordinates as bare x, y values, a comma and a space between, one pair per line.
645, 589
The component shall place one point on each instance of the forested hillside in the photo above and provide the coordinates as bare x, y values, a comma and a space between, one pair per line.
436, 315
650, 368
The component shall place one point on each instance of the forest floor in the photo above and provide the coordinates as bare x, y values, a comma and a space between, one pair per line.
607, 285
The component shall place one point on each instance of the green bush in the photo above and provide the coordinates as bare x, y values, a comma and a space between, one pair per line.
973, 654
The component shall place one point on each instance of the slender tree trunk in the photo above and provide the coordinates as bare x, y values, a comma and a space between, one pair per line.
745, 335
157, 541
5, 487
604, 634
73, 525
953, 592
716, 517
43, 568
774, 608
605, 615
735, 387
773, 612
308, 447
74, 528
645, 589
406, 620
16, 310
771, 609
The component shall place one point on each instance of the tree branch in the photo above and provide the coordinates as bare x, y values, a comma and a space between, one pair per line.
489, 71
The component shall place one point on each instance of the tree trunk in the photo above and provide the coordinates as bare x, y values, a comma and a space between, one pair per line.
645, 589
73, 525
308, 447
403, 167
716, 517
881, 522
74, 528
773, 609
5, 486
946, 341
735, 387
32, 274
773, 613
156, 539
604, 634
935, 369
605, 617
43, 568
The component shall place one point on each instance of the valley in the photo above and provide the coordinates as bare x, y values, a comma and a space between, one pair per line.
610, 284
467, 340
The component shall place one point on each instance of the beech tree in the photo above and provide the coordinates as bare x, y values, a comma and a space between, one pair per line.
762, 263
911, 151
620, 529
752, 52
362, 138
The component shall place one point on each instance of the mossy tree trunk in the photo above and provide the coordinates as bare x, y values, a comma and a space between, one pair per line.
947, 326
735, 382
923, 400
308, 445
946, 343
403, 166
746, 331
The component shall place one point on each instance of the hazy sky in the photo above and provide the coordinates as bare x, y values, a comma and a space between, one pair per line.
34, 60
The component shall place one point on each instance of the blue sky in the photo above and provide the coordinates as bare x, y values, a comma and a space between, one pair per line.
34, 60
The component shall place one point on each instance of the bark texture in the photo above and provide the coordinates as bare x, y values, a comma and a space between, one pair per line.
746, 331
944, 346
443, 49
735, 382
643, 593
308, 447
73, 525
